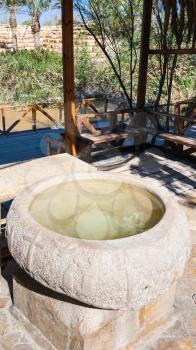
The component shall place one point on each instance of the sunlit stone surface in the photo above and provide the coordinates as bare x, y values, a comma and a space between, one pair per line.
100, 270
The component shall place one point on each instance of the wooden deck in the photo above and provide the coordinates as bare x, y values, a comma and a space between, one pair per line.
154, 165
24, 145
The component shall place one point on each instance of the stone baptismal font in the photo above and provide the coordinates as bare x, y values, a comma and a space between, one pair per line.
99, 256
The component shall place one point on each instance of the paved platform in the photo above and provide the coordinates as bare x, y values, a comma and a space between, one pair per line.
178, 175
15, 178
163, 169
12, 334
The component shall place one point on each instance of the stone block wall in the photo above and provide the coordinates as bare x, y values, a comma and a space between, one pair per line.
51, 38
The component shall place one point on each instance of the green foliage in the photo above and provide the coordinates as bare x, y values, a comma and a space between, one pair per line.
27, 22
36, 7
84, 70
8, 3
112, 24
36, 77
31, 77
184, 86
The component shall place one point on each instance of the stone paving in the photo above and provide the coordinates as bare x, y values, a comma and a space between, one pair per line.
178, 177
183, 334
179, 332
186, 288
12, 334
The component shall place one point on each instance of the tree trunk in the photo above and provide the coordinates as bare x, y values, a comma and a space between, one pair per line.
13, 26
161, 82
174, 63
35, 28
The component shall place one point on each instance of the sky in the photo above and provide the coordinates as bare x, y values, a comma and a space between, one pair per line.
22, 15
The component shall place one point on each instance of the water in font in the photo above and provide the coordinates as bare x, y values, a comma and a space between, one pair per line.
97, 209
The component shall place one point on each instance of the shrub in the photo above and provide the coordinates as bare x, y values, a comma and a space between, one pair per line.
31, 77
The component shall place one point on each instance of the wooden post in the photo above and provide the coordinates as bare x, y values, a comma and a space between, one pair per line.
177, 108
34, 117
60, 114
144, 51
106, 105
141, 117
68, 76
3, 120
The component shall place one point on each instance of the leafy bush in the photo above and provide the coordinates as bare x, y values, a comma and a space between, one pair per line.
93, 77
36, 77
31, 77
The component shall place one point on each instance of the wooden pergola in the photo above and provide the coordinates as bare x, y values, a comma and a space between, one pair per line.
68, 67
68, 76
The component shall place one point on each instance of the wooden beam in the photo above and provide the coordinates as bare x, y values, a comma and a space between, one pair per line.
171, 115
187, 51
3, 120
68, 76
182, 140
145, 40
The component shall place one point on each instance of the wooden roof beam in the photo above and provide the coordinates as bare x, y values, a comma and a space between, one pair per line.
186, 51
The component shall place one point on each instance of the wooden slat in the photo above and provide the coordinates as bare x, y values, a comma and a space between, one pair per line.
105, 138
185, 51
183, 140
141, 130
2, 222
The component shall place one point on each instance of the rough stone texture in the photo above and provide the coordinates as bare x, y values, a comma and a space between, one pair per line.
69, 325
178, 344
186, 286
177, 333
12, 335
50, 38
170, 333
120, 274
28, 173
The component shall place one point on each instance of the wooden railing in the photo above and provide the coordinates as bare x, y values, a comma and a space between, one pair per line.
90, 110
179, 123
32, 110
26, 111
176, 107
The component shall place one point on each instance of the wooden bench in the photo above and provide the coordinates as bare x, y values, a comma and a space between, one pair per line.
106, 141
189, 142
85, 144
112, 135
101, 139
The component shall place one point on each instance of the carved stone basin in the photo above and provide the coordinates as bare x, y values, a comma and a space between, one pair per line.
105, 240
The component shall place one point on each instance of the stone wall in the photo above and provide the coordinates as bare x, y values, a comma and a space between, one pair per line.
51, 37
